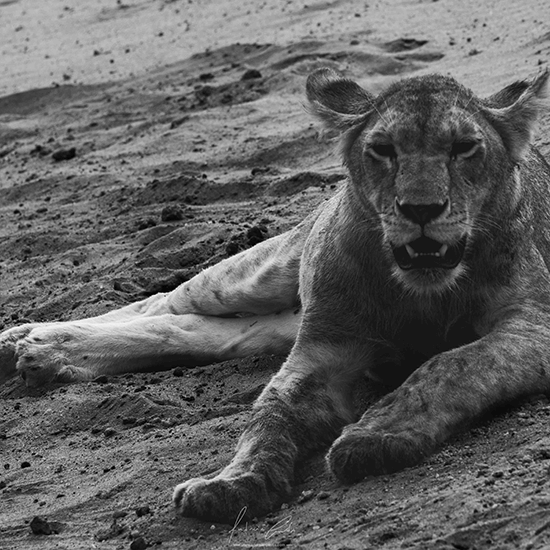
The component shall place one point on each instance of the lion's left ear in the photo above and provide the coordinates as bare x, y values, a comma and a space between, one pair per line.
513, 112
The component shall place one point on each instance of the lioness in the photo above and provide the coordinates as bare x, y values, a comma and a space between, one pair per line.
429, 267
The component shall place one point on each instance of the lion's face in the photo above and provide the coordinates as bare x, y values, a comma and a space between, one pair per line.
427, 155
420, 162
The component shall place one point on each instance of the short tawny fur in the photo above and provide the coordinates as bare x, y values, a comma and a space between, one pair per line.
428, 270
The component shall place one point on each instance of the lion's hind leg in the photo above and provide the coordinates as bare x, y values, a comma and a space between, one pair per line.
258, 281
79, 351
246, 304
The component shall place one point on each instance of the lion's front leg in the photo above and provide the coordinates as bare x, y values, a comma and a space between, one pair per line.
443, 396
302, 409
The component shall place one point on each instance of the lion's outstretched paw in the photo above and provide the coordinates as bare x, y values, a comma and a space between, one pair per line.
46, 355
226, 499
8, 349
363, 451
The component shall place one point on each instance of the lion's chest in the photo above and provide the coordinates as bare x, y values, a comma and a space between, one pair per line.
411, 344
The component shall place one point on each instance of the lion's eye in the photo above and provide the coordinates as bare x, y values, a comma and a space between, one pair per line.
464, 149
383, 150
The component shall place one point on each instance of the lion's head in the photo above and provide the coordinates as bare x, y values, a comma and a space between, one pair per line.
434, 161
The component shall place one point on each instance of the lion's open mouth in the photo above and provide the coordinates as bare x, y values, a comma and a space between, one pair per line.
426, 253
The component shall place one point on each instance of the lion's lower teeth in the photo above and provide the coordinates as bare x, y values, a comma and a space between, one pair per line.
426, 253
413, 254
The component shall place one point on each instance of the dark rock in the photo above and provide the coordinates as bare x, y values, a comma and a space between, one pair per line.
64, 154
139, 544
253, 235
41, 151
171, 212
403, 45
250, 74
40, 526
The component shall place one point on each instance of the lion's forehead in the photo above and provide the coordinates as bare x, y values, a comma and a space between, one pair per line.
426, 92
438, 129
427, 110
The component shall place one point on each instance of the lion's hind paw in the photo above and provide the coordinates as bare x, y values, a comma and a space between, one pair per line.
9, 340
44, 353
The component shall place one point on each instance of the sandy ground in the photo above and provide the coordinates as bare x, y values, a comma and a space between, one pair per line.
144, 106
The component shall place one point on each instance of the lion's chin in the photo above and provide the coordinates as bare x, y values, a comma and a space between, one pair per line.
428, 281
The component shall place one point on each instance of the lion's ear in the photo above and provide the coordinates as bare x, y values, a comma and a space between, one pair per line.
338, 101
513, 112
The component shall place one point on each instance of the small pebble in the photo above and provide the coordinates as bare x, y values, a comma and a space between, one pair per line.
305, 496
142, 511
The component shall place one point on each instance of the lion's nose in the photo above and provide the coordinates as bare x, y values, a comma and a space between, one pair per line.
421, 213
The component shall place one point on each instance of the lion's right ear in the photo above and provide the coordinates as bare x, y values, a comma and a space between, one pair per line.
338, 101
